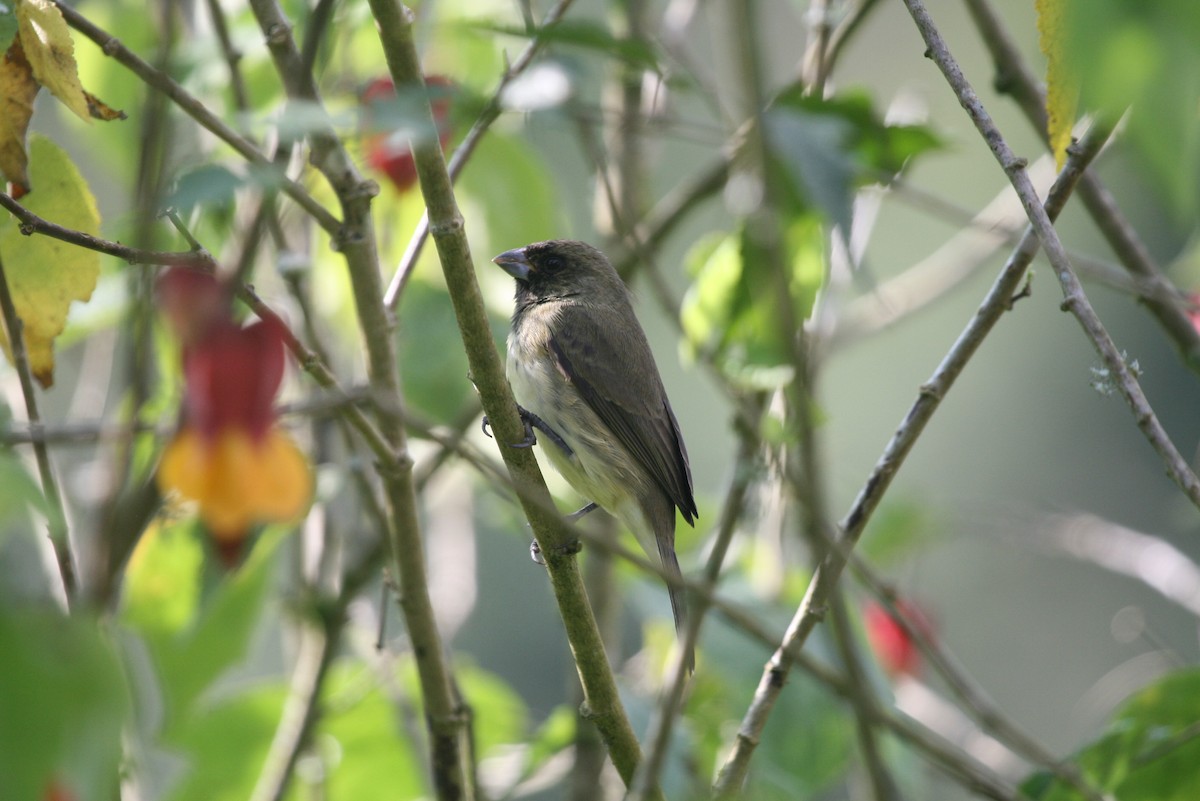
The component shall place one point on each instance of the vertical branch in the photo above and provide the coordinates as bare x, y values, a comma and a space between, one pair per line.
356, 241
602, 700
56, 518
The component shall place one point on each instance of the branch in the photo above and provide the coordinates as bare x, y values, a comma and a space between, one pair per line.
357, 242
990, 718
1075, 300
465, 149
602, 700
813, 607
1013, 76
56, 517
191, 106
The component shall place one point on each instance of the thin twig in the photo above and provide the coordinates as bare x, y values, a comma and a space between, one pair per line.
991, 719
232, 56
1075, 300
813, 607
357, 243
862, 699
449, 234
1014, 77
658, 735
199, 112
56, 516
465, 149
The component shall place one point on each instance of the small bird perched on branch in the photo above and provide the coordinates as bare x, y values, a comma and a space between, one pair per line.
582, 371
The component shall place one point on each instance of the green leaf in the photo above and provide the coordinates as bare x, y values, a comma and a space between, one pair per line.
62, 707
793, 760
1143, 58
513, 191
8, 26
207, 184
1150, 750
830, 146
436, 385
731, 311
19, 493
191, 659
224, 746
586, 34
359, 742
162, 581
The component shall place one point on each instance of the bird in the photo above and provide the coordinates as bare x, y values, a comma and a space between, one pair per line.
583, 374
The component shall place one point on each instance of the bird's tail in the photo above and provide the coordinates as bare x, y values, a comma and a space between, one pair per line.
670, 563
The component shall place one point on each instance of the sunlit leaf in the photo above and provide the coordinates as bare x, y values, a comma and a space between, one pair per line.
360, 743
17, 91
732, 311
162, 580
188, 661
1062, 85
51, 52
63, 705
44, 274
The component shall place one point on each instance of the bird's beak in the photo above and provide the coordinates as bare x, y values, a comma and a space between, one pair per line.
515, 263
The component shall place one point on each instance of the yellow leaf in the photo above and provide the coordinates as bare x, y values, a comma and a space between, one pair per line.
1062, 87
51, 52
44, 274
17, 90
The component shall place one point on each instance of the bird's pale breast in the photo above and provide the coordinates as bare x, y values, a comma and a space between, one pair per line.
599, 468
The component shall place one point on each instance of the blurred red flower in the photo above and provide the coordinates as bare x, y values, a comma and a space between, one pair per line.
388, 142
229, 456
893, 647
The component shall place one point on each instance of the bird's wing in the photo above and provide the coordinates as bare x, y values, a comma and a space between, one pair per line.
622, 386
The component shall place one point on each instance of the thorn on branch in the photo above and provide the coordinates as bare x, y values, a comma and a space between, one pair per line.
1026, 291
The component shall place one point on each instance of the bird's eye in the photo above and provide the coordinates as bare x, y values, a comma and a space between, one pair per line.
552, 263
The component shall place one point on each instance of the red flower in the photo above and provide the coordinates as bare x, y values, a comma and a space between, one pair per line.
229, 456
390, 151
893, 647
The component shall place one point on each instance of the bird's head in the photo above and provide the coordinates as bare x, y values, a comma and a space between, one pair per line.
559, 268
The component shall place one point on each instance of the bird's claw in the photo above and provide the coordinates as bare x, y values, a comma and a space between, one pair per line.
532, 421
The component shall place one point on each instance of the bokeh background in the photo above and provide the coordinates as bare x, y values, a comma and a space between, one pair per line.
1032, 523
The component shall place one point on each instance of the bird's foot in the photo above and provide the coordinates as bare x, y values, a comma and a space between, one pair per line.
532, 421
